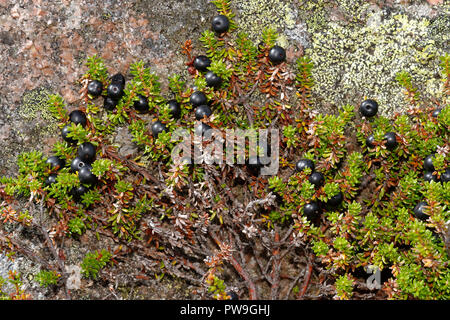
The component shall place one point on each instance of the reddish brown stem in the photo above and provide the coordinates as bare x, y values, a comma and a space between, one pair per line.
130, 164
302, 292
275, 268
240, 270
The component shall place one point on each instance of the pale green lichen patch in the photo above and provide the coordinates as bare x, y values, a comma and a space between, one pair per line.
354, 60
34, 107
354, 10
315, 14
34, 104
256, 15
38, 124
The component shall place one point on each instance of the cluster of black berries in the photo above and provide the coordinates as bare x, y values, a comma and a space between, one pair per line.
419, 210
114, 92
175, 112
198, 99
312, 209
85, 156
368, 109
430, 170
202, 63
200, 102
55, 163
220, 24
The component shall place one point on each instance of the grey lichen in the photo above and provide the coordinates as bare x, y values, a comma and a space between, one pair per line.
439, 30
354, 10
353, 61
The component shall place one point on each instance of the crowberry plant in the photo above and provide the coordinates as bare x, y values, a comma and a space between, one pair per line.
349, 194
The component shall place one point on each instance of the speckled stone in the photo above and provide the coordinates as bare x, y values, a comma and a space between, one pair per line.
44, 44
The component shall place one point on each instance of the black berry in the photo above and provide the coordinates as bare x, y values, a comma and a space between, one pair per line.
64, 134
77, 192
56, 162
86, 176
336, 199
198, 98
95, 88
51, 179
429, 176
368, 108
78, 117
115, 90
311, 210
369, 141
175, 109
317, 179
141, 105
277, 54
220, 24
391, 140
118, 78
86, 152
76, 164
109, 103
201, 63
304, 163
445, 177
157, 128
202, 111
428, 163
213, 80
419, 210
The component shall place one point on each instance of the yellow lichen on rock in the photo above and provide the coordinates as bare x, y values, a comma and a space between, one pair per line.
256, 15
34, 104
353, 61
